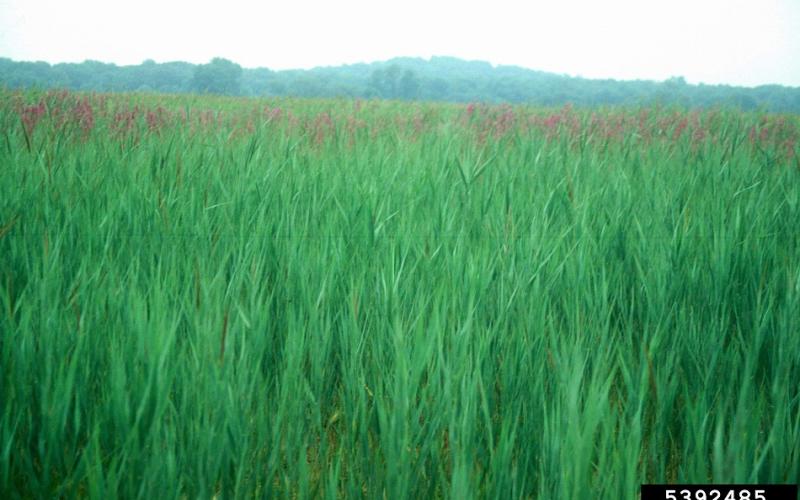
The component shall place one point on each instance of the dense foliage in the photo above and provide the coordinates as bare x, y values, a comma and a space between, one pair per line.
226, 297
437, 79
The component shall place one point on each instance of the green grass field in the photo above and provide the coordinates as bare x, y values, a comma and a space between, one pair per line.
217, 297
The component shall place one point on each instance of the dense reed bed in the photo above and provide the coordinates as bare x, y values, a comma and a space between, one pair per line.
215, 297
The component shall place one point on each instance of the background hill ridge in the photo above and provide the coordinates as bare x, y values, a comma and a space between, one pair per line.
440, 78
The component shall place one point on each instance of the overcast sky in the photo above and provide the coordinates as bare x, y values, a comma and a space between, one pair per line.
713, 41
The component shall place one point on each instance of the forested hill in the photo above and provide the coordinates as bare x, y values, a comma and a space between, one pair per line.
439, 79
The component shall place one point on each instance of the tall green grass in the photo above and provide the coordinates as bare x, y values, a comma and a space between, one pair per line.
385, 300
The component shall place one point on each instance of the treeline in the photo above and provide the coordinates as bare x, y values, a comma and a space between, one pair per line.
437, 79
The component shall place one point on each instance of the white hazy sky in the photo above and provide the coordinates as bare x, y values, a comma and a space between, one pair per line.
742, 42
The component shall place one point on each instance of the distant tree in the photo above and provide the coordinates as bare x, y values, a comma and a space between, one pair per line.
392, 80
386, 81
676, 81
220, 76
409, 85
256, 81
276, 86
437, 89
745, 101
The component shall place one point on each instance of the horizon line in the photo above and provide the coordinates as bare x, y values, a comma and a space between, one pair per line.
427, 59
